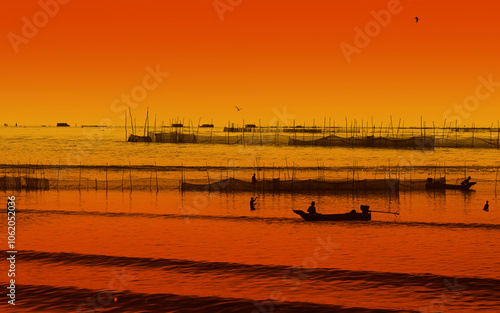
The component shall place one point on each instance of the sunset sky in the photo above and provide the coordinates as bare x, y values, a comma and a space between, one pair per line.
264, 56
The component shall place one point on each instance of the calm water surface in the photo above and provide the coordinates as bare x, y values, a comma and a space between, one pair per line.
93, 251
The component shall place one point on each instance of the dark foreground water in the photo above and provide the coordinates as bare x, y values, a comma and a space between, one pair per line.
194, 252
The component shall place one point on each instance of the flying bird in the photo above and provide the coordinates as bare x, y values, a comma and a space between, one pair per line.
239, 109
416, 19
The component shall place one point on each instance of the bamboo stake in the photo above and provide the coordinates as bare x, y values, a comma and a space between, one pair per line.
156, 170
208, 177
211, 130
472, 135
260, 132
496, 179
106, 178
150, 181
130, 167
243, 133
198, 130
277, 133
498, 134
58, 168
80, 177
131, 121
313, 131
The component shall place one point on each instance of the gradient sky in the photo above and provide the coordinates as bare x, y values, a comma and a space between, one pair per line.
263, 56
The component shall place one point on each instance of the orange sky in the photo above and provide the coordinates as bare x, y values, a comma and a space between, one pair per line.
263, 56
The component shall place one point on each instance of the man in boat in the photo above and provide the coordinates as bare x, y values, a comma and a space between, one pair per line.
486, 207
312, 209
254, 180
365, 209
252, 203
466, 181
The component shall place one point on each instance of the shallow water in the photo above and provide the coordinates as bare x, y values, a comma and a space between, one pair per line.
142, 251
225, 254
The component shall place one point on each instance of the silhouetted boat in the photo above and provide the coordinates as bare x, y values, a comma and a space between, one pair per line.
62, 125
441, 185
334, 217
135, 138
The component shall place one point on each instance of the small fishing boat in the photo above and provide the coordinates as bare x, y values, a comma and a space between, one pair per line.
136, 138
334, 217
441, 184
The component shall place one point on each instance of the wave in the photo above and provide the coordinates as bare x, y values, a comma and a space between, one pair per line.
255, 271
261, 219
45, 298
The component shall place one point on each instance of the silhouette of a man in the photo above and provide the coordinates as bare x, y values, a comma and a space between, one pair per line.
312, 209
466, 182
486, 207
254, 180
252, 203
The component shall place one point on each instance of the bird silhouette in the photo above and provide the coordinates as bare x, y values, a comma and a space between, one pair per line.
239, 109
416, 19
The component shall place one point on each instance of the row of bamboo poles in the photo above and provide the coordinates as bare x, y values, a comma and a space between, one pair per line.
349, 129
287, 172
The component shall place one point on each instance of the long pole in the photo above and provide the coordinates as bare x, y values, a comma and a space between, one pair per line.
156, 170
131, 121
150, 180
260, 132
126, 137
106, 177
80, 177
395, 213
58, 168
243, 132
496, 179
130, 168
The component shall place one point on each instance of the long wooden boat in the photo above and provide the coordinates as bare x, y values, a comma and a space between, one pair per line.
334, 217
135, 138
441, 185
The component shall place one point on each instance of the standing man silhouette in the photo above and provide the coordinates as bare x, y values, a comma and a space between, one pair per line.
252, 203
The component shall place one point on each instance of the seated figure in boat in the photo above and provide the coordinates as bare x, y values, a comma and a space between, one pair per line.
365, 209
312, 209
466, 181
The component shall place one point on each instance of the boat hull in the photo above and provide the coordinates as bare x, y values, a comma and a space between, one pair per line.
439, 185
334, 217
135, 138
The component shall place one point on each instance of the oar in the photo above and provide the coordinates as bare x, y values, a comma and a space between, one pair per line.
395, 213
